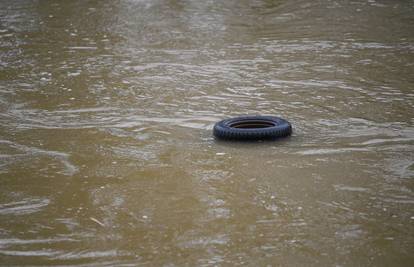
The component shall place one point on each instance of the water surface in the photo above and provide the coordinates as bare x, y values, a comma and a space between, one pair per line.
106, 152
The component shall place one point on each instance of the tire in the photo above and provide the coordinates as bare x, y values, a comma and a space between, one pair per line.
252, 128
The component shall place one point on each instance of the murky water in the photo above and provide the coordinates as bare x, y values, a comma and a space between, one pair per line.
106, 151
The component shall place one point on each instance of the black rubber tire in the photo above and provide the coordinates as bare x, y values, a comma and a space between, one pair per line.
251, 128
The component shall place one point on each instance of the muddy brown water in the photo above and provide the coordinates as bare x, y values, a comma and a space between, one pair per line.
106, 151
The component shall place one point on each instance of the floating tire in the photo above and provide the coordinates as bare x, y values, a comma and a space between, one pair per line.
251, 128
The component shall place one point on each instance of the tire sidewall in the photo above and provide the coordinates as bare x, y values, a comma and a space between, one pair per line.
281, 128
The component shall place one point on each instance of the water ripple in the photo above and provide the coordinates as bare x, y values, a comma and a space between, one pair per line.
25, 206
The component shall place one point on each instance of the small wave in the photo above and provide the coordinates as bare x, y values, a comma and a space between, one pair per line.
350, 188
371, 45
100, 118
186, 242
82, 48
399, 199
84, 254
328, 151
25, 206
6, 242
385, 141
30, 253
69, 169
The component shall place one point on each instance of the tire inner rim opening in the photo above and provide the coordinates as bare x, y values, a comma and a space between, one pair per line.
252, 124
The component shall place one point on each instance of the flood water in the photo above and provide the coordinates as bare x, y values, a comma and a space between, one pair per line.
106, 149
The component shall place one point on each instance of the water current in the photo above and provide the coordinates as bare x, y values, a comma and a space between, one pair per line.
106, 150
